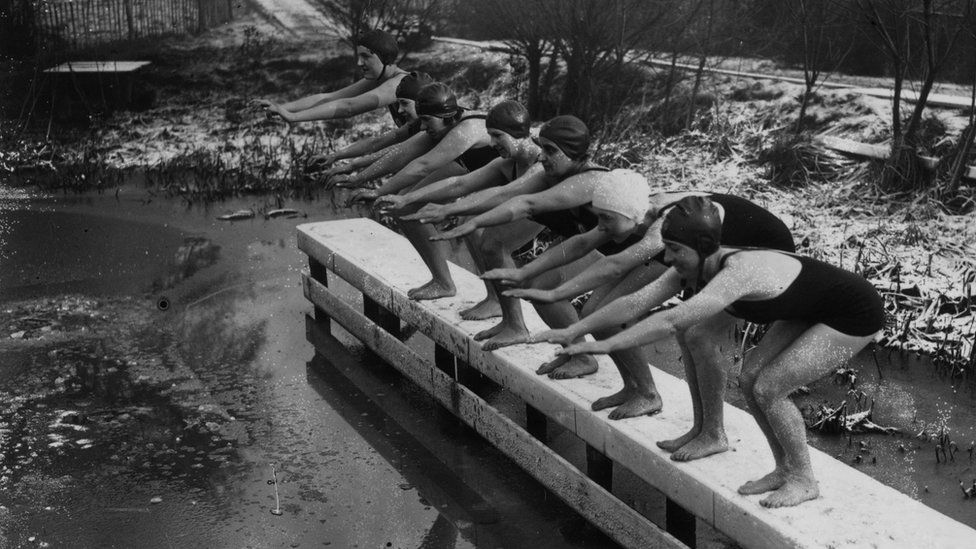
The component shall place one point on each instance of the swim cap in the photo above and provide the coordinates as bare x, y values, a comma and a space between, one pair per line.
437, 100
568, 133
411, 84
380, 43
510, 117
695, 222
625, 192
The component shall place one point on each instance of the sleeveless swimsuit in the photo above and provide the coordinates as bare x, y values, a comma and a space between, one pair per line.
572, 221
747, 224
477, 157
821, 293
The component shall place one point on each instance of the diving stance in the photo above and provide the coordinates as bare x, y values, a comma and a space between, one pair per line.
820, 316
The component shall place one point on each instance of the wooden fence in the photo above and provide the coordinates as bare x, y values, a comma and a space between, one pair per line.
75, 24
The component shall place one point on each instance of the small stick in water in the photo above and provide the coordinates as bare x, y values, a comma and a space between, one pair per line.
277, 509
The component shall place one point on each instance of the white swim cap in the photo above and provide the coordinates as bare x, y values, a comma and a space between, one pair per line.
625, 192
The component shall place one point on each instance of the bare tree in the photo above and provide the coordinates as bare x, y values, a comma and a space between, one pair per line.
814, 23
515, 22
895, 24
350, 18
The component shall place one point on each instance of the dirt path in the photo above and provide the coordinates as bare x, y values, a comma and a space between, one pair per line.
296, 17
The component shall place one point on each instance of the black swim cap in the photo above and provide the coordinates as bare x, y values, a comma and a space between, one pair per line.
437, 100
380, 43
411, 84
695, 222
568, 133
510, 117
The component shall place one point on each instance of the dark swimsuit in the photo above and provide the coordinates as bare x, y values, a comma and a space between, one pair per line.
821, 293
572, 221
477, 157
747, 224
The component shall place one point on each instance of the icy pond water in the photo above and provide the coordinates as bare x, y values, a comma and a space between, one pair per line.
161, 387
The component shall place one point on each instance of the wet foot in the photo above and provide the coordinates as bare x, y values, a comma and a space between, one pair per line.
552, 365
432, 290
794, 491
675, 443
610, 401
506, 336
487, 308
576, 366
701, 446
490, 332
768, 483
638, 405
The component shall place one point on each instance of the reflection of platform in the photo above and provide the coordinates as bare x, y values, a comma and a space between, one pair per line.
855, 510
95, 86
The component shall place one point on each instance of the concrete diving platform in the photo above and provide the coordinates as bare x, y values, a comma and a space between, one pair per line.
854, 510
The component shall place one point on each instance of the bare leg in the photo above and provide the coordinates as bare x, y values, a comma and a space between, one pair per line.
780, 335
489, 306
707, 384
561, 315
809, 357
497, 245
639, 395
434, 254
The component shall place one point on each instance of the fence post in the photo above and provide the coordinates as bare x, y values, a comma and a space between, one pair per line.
128, 18
200, 17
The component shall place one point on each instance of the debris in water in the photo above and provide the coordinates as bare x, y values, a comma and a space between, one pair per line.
156, 499
283, 211
277, 509
239, 214
836, 420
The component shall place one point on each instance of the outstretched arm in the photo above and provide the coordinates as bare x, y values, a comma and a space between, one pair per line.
461, 138
728, 285
393, 158
556, 256
486, 176
358, 87
370, 144
531, 181
619, 311
610, 268
563, 196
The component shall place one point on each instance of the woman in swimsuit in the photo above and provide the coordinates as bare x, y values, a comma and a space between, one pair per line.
629, 235
508, 125
820, 317
462, 145
367, 151
376, 55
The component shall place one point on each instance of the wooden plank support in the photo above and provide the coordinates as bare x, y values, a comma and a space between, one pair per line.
382, 317
320, 273
536, 424
854, 510
680, 523
612, 516
599, 468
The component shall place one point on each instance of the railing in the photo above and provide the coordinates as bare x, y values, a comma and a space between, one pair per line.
73, 24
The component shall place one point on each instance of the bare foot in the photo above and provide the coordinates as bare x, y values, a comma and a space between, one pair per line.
552, 365
576, 366
675, 443
701, 446
508, 335
796, 490
610, 401
768, 483
487, 308
639, 405
431, 290
490, 332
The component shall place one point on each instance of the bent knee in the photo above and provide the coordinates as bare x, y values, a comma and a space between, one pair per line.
766, 392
